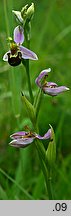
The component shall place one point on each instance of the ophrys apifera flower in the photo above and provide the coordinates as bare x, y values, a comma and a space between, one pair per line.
17, 52
22, 139
49, 88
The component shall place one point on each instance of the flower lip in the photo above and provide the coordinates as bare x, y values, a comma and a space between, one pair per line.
54, 90
14, 60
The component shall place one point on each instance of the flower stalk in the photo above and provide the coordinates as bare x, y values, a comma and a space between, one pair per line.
29, 81
46, 175
37, 102
27, 64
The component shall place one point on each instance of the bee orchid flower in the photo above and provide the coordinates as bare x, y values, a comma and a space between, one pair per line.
49, 88
18, 52
22, 139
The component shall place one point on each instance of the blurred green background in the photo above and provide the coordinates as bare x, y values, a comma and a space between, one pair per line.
20, 171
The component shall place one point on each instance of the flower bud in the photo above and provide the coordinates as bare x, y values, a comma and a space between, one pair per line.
27, 12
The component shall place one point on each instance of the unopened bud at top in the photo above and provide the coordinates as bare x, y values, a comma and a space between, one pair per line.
27, 12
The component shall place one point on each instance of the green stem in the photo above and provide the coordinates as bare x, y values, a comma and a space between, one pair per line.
39, 145
48, 183
45, 173
42, 152
27, 66
29, 81
37, 102
44, 165
47, 180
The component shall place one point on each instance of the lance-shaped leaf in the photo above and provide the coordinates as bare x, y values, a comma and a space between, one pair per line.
29, 108
51, 150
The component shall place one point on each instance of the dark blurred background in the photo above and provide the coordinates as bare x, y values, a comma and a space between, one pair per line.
51, 41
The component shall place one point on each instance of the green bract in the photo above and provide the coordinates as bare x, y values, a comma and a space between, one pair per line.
51, 150
29, 108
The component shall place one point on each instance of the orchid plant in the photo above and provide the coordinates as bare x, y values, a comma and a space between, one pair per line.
15, 56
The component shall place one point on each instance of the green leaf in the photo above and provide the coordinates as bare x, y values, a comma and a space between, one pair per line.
51, 150
15, 86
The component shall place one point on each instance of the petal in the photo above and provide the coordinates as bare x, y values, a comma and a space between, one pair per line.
18, 135
54, 91
21, 143
19, 35
28, 54
42, 75
46, 136
5, 57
